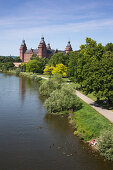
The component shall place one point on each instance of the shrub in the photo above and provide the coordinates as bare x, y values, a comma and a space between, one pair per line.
17, 71
48, 87
62, 99
35, 78
105, 144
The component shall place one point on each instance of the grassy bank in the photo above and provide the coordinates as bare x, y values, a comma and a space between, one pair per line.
88, 123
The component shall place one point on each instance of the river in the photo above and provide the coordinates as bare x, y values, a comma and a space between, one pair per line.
30, 139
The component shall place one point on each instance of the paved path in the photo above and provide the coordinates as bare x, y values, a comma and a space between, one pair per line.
106, 113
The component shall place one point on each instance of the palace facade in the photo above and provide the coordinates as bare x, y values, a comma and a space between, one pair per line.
42, 51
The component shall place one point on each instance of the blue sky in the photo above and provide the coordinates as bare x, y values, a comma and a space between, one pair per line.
58, 20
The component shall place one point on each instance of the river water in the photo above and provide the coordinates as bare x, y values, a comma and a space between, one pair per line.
30, 139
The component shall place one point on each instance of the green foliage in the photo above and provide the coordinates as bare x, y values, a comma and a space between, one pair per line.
105, 144
73, 64
58, 58
23, 67
89, 123
36, 78
49, 86
109, 47
6, 66
17, 59
18, 71
99, 78
36, 66
61, 100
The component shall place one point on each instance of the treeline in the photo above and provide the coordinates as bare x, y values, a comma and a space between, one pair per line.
6, 63
91, 67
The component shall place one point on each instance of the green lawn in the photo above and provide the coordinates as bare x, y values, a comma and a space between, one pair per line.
89, 123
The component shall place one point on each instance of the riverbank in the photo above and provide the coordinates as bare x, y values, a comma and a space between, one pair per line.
87, 123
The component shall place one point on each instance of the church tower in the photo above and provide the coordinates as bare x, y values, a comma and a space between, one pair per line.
68, 48
42, 49
23, 49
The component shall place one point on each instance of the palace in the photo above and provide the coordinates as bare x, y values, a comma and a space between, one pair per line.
42, 50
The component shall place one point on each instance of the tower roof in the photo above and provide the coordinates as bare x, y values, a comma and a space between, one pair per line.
48, 46
23, 42
42, 40
69, 44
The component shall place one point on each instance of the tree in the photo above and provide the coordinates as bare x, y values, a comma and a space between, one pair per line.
17, 59
60, 69
109, 47
48, 70
23, 67
58, 58
72, 64
35, 66
99, 78
62, 100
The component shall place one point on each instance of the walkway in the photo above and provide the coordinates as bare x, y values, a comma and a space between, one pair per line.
106, 113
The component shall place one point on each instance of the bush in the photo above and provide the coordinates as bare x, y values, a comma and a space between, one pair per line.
62, 99
48, 87
105, 145
17, 71
35, 78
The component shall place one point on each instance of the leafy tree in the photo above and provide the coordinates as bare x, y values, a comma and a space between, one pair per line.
99, 78
60, 69
17, 59
58, 58
23, 67
62, 100
48, 70
72, 64
35, 66
109, 47
49, 86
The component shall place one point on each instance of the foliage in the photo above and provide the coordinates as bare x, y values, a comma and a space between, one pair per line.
17, 59
23, 67
99, 78
105, 144
36, 78
48, 70
109, 47
58, 58
6, 66
49, 86
61, 100
72, 64
17, 71
60, 69
35, 66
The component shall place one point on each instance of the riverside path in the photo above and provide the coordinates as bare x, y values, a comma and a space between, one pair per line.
105, 112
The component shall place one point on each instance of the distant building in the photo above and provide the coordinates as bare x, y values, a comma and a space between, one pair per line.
42, 51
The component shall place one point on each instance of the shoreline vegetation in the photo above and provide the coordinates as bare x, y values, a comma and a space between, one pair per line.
87, 123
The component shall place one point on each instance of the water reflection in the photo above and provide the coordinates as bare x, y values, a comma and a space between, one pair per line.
22, 88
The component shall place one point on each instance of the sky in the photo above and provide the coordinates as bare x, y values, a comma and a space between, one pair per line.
57, 20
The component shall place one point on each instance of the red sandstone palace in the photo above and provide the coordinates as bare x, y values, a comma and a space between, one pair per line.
42, 50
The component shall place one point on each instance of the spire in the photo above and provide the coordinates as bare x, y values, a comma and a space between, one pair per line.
68, 45
23, 42
42, 40
48, 46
